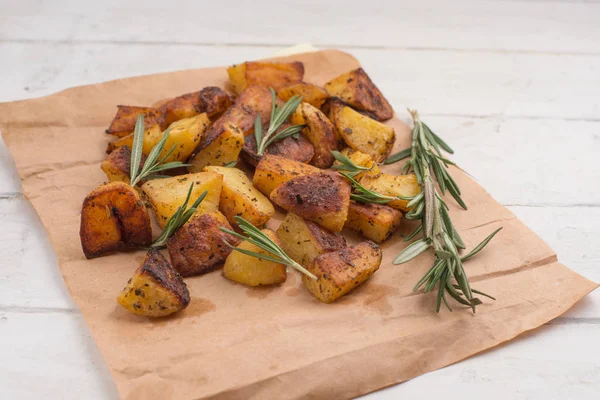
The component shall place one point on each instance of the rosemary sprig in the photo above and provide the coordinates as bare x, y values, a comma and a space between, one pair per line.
152, 164
278, 116
365, 195
447, 271
179, 218
348, 166
254, 236
426, 154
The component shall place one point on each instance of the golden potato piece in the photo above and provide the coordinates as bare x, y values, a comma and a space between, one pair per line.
210, 100
253, 101
240, 198
341, 271
319, 131
358, 90
124, 121
117, 165
322, 197
156, 289
362, 160
304, 240
272, 171
200, 246
374, 221
224, 149
276, 75
251, 271
113, 216
311, 94
391, 185
150, 136
168, 194
364, 134
297, 149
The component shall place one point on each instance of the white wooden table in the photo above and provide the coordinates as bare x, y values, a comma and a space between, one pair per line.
514, 86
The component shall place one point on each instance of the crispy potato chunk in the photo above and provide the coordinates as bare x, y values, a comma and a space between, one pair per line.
299, 149
341, 271
150, 135
124, 122
117, 165
166, 195
272, 171
391, 185
322, 197
268, 74
362, 160
311, 94
363, 133
210, 100
374, 221
224, 149
200, 246
251, 271
113, 216
240, 197
304, 240
155, 290
320, 131
357, 89
253, 101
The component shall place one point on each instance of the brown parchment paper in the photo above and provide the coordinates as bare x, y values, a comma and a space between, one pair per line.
279, 342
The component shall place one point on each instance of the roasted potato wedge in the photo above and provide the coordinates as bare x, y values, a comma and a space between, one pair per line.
240, 197
362, 160
224, 149
185, 133
117, 165
253, 101
374, 221
311, 94
358, 90
391, 185
210, 100
113, 216
268, 74
251, 271
319, 131
272, 171
340, 271
363, 133
200, 246
297, 149
155, 289
322, 197
124, 121
304, 240
166, 195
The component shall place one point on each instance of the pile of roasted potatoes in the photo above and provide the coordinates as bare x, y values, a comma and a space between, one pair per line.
213, 130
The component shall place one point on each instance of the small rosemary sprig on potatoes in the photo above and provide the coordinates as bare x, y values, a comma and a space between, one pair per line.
349, 167
428, 163
179, 218
279, 115
275, 253
153, 164
364, 195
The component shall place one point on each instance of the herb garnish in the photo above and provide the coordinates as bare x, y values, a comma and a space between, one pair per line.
278, 116
152, 165
179, 218
436, 225
259, 239
364, 195
348, 166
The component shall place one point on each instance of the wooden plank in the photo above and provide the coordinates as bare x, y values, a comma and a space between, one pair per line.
433, 24
554, 362
50, 355
436, 82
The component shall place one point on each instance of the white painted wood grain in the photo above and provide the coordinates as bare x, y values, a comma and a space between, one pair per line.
436, 82
540, 26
